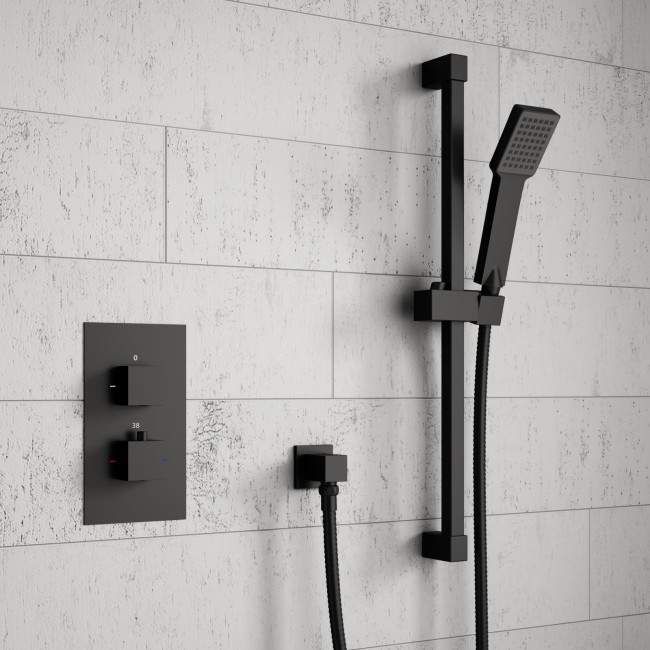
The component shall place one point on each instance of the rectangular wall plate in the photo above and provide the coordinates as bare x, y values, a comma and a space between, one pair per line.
108, 500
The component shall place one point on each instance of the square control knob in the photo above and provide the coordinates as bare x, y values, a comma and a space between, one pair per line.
140, 459
137, 385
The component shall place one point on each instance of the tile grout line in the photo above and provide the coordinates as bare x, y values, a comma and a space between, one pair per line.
255, 136
369, 398
165, 190
285, 269
622, 634
317, 143
280, 529
502, 631
442, 36
332, 343
622, 32
499, 94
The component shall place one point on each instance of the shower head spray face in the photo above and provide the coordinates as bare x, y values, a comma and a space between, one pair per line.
516, 158
524, 140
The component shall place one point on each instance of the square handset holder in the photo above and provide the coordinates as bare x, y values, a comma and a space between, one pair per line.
439, 304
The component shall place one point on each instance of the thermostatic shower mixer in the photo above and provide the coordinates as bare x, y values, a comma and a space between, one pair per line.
134, 422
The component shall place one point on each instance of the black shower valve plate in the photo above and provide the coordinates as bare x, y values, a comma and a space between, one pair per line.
151, 360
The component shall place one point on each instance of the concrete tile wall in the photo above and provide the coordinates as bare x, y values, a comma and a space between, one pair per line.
620, 577
585, 29
636, 22
636, 632
268, 174
57, 182
546, 347
591, 635
245, 587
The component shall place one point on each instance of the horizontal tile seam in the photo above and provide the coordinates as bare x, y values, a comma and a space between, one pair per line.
254, 136
79, 400
316, 143
282, 269
501, 46
504, 631
284, 529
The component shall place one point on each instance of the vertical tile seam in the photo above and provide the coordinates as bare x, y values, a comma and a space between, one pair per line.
332, 342
622, 32
165, 193
622, 634
499, 92
589, 557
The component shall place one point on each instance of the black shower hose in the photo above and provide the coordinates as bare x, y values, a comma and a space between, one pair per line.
328, 492
480, 532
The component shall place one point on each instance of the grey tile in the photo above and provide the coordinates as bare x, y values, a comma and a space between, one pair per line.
542, 454
545, 345
226, 591
620, 563
378, 350
582, 29
239, 467
457, 643
247, 334
299, 77
259, 202
603, 132
636, 632
558, 340
529, 557
552, 454
266, 589
431, 599
591, 635
578, 228
240, 462
585, 29
636, 24
80, 188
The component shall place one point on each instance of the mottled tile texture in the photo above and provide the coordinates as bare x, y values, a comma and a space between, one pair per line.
592, 635
584, 29
244, 588
620, 579
296, 76
636, 632
80, 188
268, 173
550, 343
636, 23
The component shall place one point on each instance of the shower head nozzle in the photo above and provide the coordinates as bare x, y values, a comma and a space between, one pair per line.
516, 158
524, 140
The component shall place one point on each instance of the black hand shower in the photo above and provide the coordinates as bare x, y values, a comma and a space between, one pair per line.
517, 156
